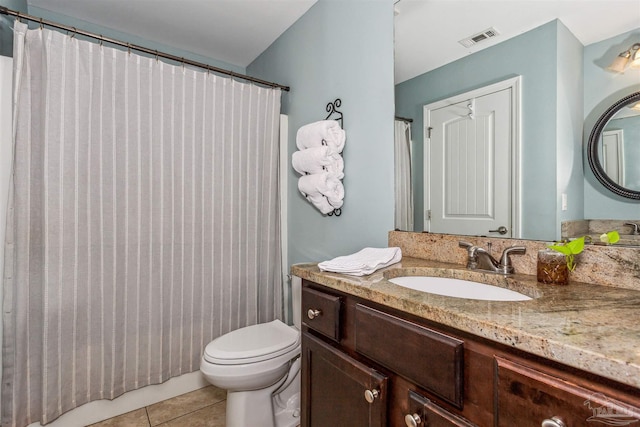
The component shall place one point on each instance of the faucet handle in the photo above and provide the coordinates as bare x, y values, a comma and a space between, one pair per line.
472, 260
636, 227
505, 261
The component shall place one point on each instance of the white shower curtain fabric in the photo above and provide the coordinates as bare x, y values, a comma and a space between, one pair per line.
403, 176
144, 221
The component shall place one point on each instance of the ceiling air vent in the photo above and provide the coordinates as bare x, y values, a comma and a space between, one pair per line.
480, 37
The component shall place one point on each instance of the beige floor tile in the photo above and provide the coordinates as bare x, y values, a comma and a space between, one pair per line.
211, 416
137, 418
180, 405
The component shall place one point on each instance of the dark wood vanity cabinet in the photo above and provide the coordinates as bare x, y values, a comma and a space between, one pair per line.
364, 364
528, 396
366, 367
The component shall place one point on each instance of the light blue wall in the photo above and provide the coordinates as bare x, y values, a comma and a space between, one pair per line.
603, 88
340, 49
532, 55
6, 35
570, 173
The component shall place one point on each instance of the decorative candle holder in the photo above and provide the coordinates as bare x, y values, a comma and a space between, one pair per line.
552, 267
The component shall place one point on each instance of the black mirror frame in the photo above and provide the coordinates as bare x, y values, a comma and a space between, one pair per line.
592, 148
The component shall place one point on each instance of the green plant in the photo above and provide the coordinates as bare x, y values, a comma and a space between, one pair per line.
572, 248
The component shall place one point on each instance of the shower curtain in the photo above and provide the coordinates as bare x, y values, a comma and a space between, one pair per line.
403, 176
143, 222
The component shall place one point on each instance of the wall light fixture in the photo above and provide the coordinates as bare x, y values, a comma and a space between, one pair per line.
630, 57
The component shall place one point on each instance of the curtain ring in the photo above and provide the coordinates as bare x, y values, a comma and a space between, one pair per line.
41, 24
157, 55
74, 33
129, 48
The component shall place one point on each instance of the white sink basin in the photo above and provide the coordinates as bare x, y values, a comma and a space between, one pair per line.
458, 288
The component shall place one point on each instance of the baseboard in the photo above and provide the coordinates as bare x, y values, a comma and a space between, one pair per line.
100, 410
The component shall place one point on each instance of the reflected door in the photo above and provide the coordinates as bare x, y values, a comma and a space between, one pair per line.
613, 155
469, 176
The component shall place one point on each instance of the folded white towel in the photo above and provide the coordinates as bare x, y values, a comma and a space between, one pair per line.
364, 262
318, 160
324, 184
324, 132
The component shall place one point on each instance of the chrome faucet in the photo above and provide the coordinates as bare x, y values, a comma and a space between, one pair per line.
480, 259
636, 227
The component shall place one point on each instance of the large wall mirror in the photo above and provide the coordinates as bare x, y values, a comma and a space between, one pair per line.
614, 147
563, 67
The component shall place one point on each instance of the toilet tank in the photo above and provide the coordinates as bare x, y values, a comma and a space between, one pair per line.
296, 300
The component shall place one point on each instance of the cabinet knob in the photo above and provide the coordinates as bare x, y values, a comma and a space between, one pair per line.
412, 420
313, 313
371, 395
553, 422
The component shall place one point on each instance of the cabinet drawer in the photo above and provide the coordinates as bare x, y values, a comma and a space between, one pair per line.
432, 415
321, 312
526, 397
427, 358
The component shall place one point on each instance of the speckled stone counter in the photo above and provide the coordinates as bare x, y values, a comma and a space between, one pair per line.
591, 327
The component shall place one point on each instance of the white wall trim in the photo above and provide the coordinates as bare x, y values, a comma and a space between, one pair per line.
284, 217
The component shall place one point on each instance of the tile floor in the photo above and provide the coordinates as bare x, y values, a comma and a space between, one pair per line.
200, 408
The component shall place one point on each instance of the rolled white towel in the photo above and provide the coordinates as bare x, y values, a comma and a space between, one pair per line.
320, 202
336, 194
318, 160
312, 160
336, 166
325, 184
364, 262
324, 132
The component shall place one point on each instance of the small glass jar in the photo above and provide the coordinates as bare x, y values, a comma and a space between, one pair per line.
552, 267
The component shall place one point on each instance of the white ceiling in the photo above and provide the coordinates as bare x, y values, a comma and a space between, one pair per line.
233, 31
426, 31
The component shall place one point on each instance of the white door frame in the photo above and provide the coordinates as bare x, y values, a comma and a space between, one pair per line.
514, 84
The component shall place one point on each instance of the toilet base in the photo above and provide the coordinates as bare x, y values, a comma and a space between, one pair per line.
289, 416
269, 407
286, 402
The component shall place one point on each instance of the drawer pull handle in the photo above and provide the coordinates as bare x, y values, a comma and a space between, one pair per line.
313, 313
412, 420
553, 422
371, 395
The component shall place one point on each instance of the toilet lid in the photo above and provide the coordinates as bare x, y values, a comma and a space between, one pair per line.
252, 344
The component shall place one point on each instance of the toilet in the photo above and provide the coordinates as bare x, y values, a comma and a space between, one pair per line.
259, 366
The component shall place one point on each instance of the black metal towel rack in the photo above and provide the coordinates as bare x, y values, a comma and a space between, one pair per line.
335, 114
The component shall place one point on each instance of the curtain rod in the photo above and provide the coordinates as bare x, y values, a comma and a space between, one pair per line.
404, 119
20, 15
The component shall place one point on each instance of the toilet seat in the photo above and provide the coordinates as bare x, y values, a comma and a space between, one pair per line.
252, 344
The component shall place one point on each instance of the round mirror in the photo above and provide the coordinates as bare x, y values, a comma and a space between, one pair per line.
614, 147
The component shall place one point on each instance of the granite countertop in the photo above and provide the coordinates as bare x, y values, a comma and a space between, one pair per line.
590, 327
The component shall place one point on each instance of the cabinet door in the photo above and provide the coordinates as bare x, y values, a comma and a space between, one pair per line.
335, 388
527, 397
